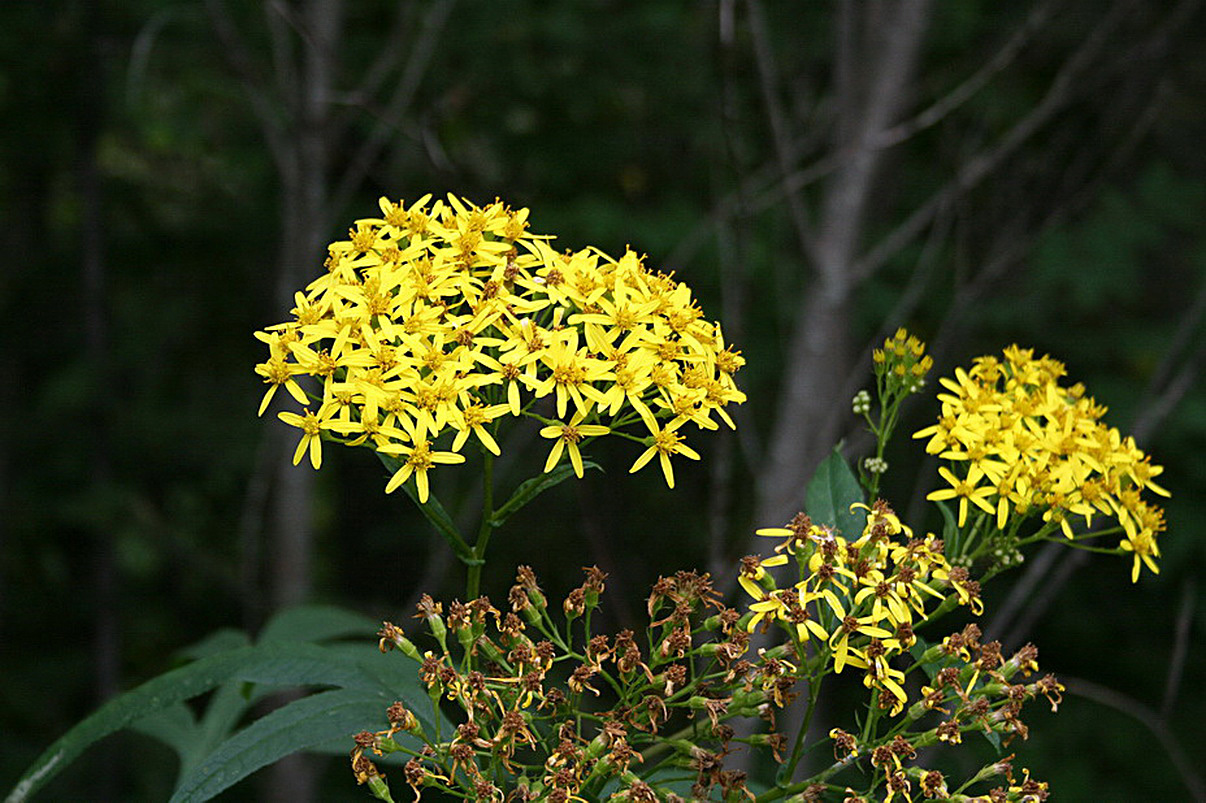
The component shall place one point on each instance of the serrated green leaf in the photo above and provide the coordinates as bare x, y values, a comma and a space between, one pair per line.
276, 663
832, 491
398, 676
194, 739
155, 695
299, 725
531, 488
313, 623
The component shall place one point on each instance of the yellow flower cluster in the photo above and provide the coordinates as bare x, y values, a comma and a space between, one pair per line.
1021, 444
901, 365
858, 598
436, 320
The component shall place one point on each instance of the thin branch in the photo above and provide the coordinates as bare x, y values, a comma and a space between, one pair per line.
388, 59
1175, 360
942, 107
1065, 566
250, 528
392, 114
1176, 663
910, 298
281, 47
980, 166
846, 196
238, 55
140, 52
768, 82
1149, 719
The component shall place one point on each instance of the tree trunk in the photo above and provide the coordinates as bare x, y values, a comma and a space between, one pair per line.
875, 57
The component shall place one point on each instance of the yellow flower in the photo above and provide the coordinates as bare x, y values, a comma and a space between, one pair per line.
1142, 544
965, 490
473, 419
839, 642
419, 460
571, 373
567, 437
277, 372
1041, 447
311, 425
665, 442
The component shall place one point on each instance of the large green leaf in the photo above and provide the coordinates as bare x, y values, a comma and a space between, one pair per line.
193, 739
302, 724
317, 623
833, 489
175, 726
397, 677
273, 663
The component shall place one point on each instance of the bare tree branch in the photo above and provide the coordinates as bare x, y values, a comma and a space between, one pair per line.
253, 80
980, 166
845, 199
965, 91
910, 299
388, 59
768, 75
284, 71
1176, 662
391, 116
802, 430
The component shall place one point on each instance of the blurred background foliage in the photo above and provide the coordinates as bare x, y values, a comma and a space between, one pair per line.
157, 158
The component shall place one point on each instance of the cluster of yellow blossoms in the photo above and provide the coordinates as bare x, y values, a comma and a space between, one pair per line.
1020, 444
901, 365
434, 321
857, 598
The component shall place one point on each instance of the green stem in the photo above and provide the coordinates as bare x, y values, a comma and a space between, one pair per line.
474, 580
789, 769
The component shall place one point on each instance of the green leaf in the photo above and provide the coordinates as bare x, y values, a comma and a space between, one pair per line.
950, 528
398, 678
191, 739
271, 663
535, 486
833, 489
317, 623
219, 641
302, 724
175, 726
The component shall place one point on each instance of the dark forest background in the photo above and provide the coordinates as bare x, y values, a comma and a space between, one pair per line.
819, 173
